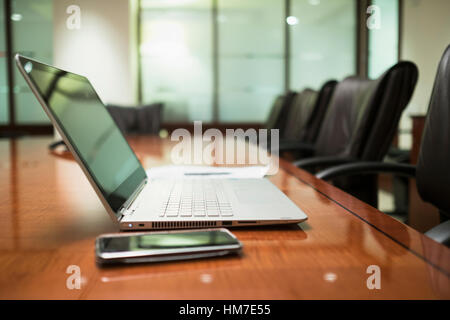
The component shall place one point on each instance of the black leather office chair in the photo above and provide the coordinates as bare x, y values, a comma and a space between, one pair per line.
315, 121
278, 114
144, 119
362, 117
339, 124
432, 173
360, 125
305, 119
299, 113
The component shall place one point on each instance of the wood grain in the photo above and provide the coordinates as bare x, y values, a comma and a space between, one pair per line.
50, 217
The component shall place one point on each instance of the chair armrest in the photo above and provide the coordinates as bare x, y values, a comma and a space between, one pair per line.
398, 155
358, 168
322, 162
286, 145
440, 233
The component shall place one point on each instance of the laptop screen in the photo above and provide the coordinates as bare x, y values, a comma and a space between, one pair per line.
90, 130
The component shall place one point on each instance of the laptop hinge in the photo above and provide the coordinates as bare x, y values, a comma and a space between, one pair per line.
126, 210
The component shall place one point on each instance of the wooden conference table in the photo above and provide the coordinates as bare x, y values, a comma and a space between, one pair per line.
50, 216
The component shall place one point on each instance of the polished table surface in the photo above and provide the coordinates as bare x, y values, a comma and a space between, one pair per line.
50, 216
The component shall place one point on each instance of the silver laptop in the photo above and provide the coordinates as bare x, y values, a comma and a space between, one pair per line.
133, 200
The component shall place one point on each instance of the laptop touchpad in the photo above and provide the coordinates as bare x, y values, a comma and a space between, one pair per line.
256, 195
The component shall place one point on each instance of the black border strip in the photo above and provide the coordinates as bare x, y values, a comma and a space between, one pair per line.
9, 61
373, 226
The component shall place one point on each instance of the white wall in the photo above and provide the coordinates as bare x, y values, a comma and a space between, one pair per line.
426, 34
102, 49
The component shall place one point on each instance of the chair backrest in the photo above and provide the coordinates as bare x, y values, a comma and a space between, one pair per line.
278, 114
340, 119
433, 174
363, 114
315, 121
144, 119
275, 110
388, 97
299, 114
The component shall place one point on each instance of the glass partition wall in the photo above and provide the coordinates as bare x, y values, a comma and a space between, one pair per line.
323, 41
226, 60
250, 58
26, 27
32, 36
176, 57
383, 37
211, 60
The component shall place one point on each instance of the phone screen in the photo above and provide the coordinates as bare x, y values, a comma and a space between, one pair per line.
164, 241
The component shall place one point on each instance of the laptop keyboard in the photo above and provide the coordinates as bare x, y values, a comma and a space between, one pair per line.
196, 198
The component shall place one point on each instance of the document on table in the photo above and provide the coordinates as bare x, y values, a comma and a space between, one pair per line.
207, 172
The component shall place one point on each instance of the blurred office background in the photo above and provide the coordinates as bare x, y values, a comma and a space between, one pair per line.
219, 61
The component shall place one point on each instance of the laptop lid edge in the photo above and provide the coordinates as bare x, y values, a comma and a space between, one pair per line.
115, 216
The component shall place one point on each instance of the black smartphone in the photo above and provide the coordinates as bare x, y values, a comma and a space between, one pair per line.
165, 246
